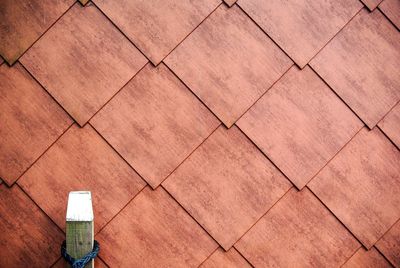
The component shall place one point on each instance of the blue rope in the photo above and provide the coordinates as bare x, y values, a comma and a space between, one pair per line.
80, 263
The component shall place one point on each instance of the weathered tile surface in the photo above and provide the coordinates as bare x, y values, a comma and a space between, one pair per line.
154, 231
300, 124
157, 27
24, 21
155, 122
230, 2
227, 185
390, 125
30, 121
228, 62
301, 28
81, 160
298, 232
367, 259
28, 237
83, 60
371, 4
391, 8
225, 259
361, 186
389, 245
362, 64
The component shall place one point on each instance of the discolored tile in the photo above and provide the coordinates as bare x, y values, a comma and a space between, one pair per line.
389, 245
300, 124
371, 4
391, 9
82, 61
157, 27
362, 63
28, 237
24, 21
361, 186
155, 122
81, 160
30, 121
298, 232
228, 62
390, 125
367, 259
154, 231
225, 259
227, 184
301, 27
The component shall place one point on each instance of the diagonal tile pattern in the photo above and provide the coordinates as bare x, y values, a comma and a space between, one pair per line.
83, 61
228, 63
190, 157
227, 185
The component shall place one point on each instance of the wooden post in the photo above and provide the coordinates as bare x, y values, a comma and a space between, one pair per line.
79, 225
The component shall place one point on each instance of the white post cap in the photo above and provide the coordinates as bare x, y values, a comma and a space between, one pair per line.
80, 206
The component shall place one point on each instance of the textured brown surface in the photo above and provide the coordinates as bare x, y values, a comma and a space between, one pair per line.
155, 122
367, 259
30, 121
81, 160
83, 61
390, 125
22, 22
28, 237
300, 124
361, 186
389, 245
227, 185
225, 259
301, 28
244, 63
362, 65
298, 232
230, 2
371, 4
157, 232
157, 26
391, 8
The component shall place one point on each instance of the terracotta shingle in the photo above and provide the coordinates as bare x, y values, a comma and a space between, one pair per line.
361, 186
367, 259
301, 27
24, 21
157, 27
228, 62
155, 122
227, 185
298, 232
83, 60
28, 237
300, 124
81, 160
154, 231
225, 259
389, 245
390, 125
391, 8
362, 65
30, 121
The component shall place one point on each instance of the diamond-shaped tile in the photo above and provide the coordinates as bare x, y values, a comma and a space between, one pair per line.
361, 185
154, 231
30, 121
227, 184
24, 21
390, 125
367, 259
155, 122
389, 245
298, 232
83, 60
81, 160
391, 8
228, 62
301, 27
230, 2
157, 26
28, 237
300, 124
228, 259
362, 65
